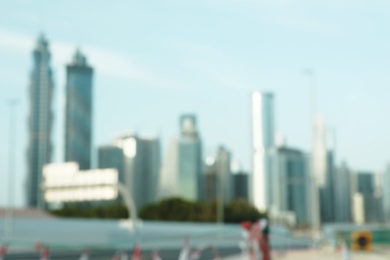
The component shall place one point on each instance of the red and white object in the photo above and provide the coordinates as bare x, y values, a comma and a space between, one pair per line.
124, 256
195, 255
3, 251
345, 251
136, 253
115, 257
185, 251
156, 256
38, 246
84, 255
45, 254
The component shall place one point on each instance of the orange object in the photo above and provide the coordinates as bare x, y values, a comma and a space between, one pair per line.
361, 241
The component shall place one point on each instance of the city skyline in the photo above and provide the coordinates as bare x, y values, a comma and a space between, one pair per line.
357, 103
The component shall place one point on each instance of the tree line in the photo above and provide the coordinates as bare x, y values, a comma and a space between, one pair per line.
170, 209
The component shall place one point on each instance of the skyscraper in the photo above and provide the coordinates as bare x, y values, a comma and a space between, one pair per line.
78, 114
225, 184
40, 121
190, 170
366, 187
262, 146
323, 172
240, 185
111, 156
292, 184
218, 180
343, 195
168, 186
141, 167
386, 193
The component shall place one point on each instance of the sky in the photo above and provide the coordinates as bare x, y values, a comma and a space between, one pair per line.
155, 60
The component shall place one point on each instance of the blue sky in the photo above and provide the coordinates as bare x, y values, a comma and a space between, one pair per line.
157, 59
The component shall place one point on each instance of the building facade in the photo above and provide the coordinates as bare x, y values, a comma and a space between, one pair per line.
386, 193
372, 199
78, 111
292, 184
141, 167
327, 191
168, 185
66, 183
190, 162
263, 136
322, 173
343, 195
111, 156
240, 185
40, 121
218, 181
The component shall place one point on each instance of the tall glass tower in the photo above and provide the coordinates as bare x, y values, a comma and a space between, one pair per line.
263, 143
78, 115
141, 168
190, 179
40, 121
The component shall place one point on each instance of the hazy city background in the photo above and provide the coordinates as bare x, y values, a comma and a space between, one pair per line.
156, 61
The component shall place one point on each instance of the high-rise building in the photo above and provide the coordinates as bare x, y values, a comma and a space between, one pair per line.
218, 182
190, 163
262, 148
111, 156
291, 184
343, 195
222, 163
327, 191
386, 193
240, 185
78, 112
141, 167
40, 121
322, 173
210, 180
168, 186
372, 199
378, 196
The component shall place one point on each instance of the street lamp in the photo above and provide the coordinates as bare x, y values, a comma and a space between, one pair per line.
8, 228
314, 186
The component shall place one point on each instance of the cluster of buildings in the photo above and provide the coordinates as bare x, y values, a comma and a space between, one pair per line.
296, 187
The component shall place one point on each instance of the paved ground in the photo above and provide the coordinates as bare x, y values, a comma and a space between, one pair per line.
319, 255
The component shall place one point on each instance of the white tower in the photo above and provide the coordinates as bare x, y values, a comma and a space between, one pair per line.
262, 144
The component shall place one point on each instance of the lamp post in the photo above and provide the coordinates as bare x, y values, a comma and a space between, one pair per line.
314, 185
12, 103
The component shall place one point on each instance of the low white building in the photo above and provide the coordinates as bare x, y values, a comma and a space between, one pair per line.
65, 182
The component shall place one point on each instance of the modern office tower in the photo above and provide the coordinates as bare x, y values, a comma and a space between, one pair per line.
40, 121
378, 196
168, 185
240, 185
141, 167
190, 179
386, 193
327, 191
225, 184
210, 180
78, 111
292, 184
218, 177
342, 194
372, 201
111, 156
322, 173
262, 147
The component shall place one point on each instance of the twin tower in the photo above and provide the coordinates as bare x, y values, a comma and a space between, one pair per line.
78, 116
